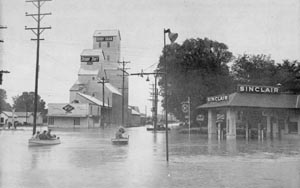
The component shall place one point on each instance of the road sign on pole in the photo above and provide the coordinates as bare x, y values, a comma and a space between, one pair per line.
185, 107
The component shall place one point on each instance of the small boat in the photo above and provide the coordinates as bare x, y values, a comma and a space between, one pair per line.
38, 142
120, 141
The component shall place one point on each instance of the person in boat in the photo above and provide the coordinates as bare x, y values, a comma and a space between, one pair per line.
49, 136
36, 136
120, 132
43, 136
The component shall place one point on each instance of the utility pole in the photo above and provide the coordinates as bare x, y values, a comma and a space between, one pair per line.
2, 71
37, 31
152, 99
155, 92
123, 63
103, 81
155, 101
2, 27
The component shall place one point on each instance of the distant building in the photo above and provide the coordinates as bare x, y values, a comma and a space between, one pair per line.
97, 64
24, 118
135, 116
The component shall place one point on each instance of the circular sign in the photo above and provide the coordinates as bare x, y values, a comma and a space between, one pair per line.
185, 108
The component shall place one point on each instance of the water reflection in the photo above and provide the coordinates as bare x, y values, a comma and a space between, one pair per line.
86, 158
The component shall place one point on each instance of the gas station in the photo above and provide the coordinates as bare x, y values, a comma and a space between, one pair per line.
262, 111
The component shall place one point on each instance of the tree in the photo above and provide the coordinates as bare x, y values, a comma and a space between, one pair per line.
262, 70
3, 104
288, 76
25, 103
254, 70
196, 69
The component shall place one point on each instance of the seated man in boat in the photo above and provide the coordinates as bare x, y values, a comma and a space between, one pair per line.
120, 132
36, 136
43, 136
49, 136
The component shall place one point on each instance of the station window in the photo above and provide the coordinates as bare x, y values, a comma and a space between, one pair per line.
93, 78
99, 44
108, 44
51, 121
240, 115
293, 127
1, 120
76, 121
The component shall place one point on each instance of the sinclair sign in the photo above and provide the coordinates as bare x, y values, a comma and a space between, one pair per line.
218, 98
257, 89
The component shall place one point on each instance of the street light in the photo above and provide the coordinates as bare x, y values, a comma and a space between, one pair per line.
172, 37
1, 75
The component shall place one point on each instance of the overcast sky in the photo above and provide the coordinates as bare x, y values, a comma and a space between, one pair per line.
270, 27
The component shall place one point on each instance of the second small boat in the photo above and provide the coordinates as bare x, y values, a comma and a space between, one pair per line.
38, 142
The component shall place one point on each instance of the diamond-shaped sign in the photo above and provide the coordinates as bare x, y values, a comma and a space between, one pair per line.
68, 108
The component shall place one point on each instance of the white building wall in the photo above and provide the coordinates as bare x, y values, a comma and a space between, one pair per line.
68, 122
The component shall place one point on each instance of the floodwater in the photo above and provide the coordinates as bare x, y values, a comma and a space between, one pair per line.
86, 158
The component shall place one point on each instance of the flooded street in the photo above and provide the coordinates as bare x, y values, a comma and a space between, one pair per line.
86, 158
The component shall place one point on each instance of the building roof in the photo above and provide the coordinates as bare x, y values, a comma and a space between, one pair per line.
87, 72
93, 99
9, 114
77, 86
286, 101
112, 89
107, 32
93, 52
134, 110
23, 114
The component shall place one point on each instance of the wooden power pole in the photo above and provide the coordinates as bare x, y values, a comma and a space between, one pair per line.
37, 32
123, 87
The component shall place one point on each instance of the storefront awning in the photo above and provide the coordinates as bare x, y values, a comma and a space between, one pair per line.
283, 101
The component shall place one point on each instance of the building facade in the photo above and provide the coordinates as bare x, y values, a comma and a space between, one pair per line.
261, 111
21, 118
99, 83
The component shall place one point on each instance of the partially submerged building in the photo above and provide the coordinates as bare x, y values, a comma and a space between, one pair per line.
260, 108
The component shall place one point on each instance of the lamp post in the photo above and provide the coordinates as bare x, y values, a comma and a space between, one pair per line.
172, 37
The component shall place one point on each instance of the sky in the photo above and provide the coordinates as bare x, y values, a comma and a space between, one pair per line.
270, 27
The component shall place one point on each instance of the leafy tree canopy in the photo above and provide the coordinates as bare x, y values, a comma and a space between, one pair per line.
4, 106
262, 70
196, 69
25, 103
254, 69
